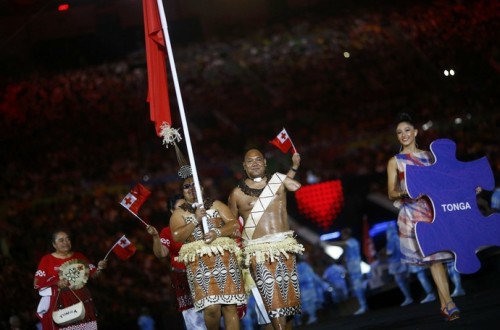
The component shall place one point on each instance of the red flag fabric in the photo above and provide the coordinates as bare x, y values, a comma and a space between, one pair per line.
135, 198
368, 246
158, 99
124, 248
283, 142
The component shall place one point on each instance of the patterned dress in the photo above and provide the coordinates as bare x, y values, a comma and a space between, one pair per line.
412, 211
213, 272
47, 276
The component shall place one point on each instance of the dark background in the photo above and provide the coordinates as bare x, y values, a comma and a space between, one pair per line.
75, 130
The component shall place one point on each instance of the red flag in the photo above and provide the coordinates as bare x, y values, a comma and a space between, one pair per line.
158, 99
368, 246
124, 248
135, 198
283, 142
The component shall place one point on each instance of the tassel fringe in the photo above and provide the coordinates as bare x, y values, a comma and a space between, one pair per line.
190, 251
170, 135
272, 250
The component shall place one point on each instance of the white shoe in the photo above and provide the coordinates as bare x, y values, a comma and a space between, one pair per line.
360, 311
458, 292
430, 297
406, 302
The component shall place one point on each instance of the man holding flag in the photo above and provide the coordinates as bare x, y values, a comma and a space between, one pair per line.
269, 247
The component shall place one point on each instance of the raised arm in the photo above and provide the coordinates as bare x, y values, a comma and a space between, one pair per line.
160, 251
295, 166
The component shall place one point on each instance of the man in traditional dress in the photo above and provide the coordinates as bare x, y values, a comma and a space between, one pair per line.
269, 247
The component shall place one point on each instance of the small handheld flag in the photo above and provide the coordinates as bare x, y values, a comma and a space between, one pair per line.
283, 142
134, 200
123, 248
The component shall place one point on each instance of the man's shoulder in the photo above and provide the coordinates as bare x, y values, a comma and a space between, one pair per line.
237, 188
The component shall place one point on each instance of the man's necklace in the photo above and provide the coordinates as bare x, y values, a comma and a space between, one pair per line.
250, 191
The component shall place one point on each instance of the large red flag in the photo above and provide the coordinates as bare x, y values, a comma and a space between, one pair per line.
124, 248
368, 246
158, 99
283, 142
135, 198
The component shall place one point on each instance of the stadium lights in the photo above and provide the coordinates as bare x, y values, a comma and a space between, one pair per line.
427, 125
449, 72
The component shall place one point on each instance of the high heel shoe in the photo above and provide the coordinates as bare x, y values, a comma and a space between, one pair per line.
450, 314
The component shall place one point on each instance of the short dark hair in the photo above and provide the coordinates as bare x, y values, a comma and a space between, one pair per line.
172, 200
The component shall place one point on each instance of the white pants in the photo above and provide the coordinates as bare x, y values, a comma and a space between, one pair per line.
194, 320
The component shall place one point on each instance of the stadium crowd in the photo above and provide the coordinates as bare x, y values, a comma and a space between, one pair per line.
75, 141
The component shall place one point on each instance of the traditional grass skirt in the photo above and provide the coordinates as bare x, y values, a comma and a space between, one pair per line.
273, 267
213, 273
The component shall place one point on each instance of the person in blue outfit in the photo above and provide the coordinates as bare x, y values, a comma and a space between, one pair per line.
145, 320
421, 273
312, 290
352, 260
335, 275
495, 200
250, 320
456, 278
396, 267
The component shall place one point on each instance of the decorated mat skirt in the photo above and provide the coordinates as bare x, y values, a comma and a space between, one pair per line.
213, 273
275, 275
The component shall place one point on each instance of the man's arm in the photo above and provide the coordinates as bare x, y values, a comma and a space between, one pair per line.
295, 166
291, 184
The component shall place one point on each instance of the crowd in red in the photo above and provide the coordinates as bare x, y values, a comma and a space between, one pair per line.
75, 141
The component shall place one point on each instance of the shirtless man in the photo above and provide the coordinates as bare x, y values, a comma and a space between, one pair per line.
269, 246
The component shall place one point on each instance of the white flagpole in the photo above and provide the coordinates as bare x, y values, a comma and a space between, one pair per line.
192, 163
144, 222
107, 254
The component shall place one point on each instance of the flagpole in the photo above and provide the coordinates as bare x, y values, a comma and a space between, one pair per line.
144, 222
293, 146
192, 163
107, 254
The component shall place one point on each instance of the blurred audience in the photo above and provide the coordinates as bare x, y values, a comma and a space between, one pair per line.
77, 140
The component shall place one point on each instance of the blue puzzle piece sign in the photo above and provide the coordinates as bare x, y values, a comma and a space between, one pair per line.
458, 225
